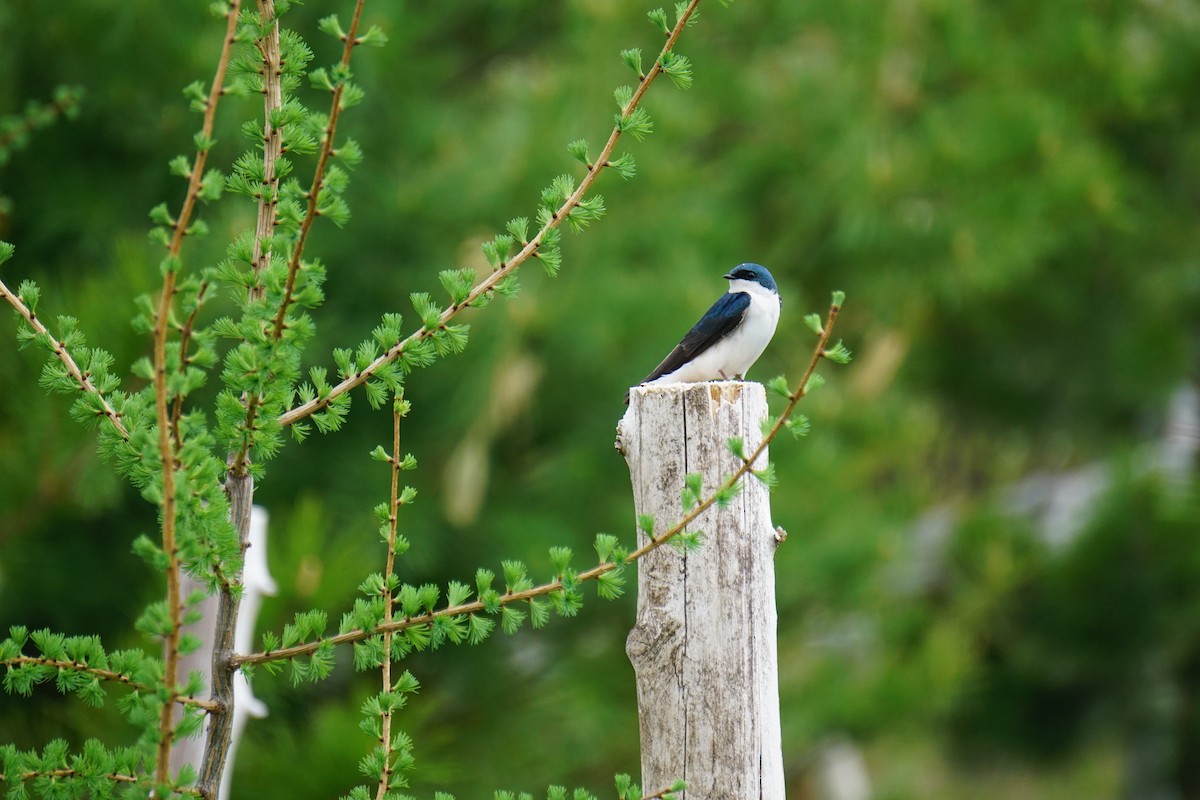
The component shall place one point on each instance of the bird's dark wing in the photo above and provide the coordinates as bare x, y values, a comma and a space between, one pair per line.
717, 323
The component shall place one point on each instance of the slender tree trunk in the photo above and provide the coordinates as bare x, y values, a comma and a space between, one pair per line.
256, 583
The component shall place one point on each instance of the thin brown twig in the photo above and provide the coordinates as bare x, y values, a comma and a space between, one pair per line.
103, 674
408, 622
185, 336
488, 284
595, 572
167, 424
196, 176
388, 605
116, 777
60, 351
318, 181
167, 451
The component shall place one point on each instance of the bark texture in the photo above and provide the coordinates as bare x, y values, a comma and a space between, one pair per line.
704, 647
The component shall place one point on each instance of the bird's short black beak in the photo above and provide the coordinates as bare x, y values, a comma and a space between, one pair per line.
729, 276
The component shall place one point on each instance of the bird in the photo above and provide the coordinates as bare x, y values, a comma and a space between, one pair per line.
730, 336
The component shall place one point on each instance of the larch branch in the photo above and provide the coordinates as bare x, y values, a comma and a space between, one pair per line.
385, 777
530, 249
167, 433
318, 181
268, 200
60, 352
102, 674
595, 572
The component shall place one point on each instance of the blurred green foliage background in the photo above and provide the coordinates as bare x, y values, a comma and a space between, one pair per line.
1008, 193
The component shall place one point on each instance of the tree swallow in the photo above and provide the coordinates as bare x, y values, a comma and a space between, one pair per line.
730, 336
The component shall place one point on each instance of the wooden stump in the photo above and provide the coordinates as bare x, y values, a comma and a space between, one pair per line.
704, 646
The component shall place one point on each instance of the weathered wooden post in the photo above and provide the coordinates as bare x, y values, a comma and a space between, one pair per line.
704, 645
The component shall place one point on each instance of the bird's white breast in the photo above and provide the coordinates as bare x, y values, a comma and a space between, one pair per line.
734, 354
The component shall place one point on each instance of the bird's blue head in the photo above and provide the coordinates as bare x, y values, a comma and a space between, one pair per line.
755, 273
